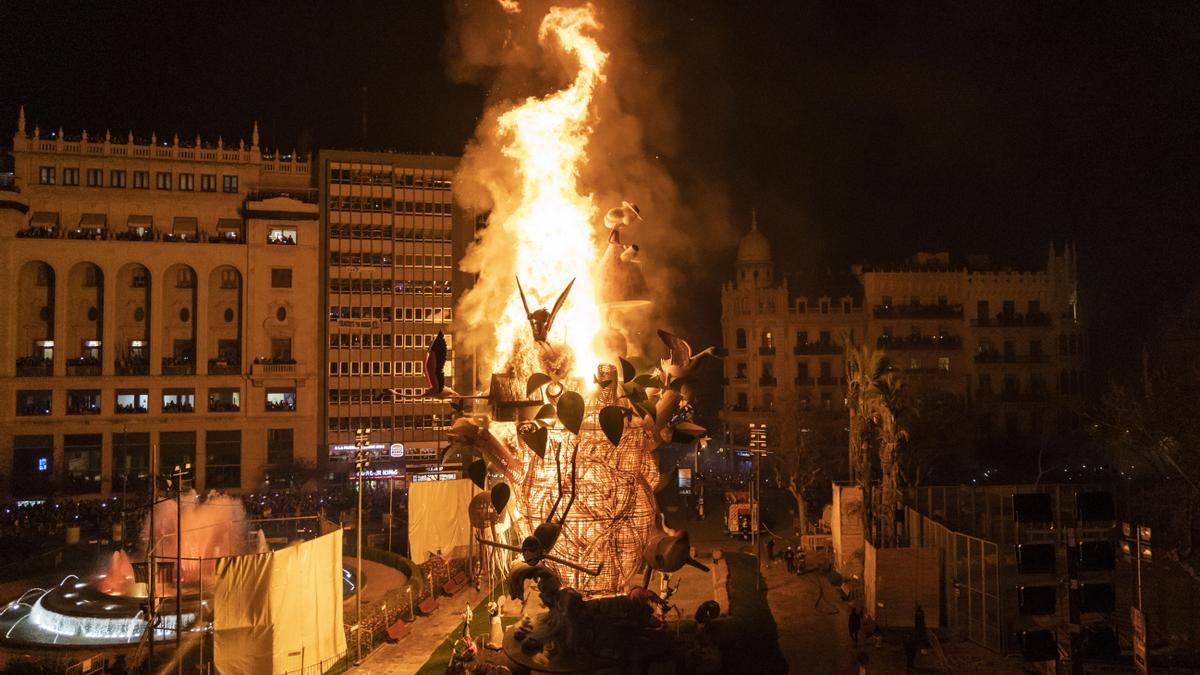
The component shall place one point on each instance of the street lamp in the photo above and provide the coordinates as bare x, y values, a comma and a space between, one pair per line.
177, 476
362, 460
758, 447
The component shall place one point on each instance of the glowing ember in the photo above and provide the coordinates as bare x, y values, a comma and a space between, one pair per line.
542, 229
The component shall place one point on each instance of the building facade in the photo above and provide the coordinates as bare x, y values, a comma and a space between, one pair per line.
161, 296
1009, 344
392, 241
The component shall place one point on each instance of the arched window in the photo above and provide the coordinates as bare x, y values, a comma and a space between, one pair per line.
740, 340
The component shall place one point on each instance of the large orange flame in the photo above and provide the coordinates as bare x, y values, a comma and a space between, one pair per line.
547, 221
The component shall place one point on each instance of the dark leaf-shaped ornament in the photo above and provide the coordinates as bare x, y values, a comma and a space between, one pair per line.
570, 411
477, 472
500, 494
612, 423
536, 440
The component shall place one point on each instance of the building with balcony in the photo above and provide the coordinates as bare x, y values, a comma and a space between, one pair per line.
392, 238
160, 297
1008, 343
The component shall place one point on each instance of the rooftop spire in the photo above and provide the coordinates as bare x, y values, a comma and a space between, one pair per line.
254, 136
753, 219
21, 121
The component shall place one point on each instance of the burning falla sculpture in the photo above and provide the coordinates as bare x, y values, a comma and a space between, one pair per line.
583, 475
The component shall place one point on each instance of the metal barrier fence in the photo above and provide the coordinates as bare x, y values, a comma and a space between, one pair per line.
972, 571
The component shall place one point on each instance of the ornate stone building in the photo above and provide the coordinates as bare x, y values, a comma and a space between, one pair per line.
1007, 343
159, 295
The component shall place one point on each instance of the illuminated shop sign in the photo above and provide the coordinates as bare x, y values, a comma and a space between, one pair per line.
380, 474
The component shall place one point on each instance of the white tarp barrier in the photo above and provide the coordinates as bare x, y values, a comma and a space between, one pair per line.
280, 611
438, 517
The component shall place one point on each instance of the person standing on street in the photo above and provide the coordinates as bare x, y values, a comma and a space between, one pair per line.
771, 549
789, 557
855, 622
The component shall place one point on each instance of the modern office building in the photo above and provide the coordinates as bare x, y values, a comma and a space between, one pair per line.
392, 240
1009, 343
158, 295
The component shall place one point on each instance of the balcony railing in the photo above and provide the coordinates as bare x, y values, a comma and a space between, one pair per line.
133, 367
830, 380
260, 368
33, 366
84, 366
997, 357
766, 351
942, 342
805, 381
178, 365
224, 367
918, 311
218, 405
817, 348
88, 233
146, 234
926, 371
766, 381
1035, 319
38, 233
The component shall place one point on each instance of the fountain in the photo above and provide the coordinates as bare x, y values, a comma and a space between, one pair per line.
108, 609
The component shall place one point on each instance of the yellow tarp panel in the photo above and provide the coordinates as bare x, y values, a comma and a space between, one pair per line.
280, 611
438, 518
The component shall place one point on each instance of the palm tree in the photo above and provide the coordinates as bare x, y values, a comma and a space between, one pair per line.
873, 390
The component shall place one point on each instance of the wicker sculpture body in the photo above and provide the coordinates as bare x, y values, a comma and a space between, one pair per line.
614, 510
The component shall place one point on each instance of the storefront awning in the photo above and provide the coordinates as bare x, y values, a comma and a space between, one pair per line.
93, 221
44, 219
135, 222
185, 225
229, 225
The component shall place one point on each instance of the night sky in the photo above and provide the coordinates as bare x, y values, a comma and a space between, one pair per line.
859, 133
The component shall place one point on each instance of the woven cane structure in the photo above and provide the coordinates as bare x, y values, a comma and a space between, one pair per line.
614, 509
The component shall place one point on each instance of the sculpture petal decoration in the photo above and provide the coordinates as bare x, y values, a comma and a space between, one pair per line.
537, 440
546, 412
477, 472
570, 411
500, 495
628, 372
612, 423
536, 381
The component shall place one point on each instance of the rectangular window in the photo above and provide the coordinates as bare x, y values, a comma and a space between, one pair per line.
187, 182
132, 401
131, 461
46, 175
281, 350
33, 402
81, 457
229, 183
279, 446
179, 400
116, 178
208, 182
141, 180
162, 180
223, 456
83, 402
176, 448
95, 178
71, 176
281, 400
224, 400
281, 277
279, 234
32, 467
944, 364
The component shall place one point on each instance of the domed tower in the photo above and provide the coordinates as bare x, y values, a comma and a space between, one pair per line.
754, 258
